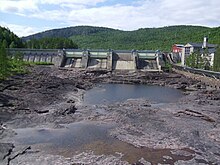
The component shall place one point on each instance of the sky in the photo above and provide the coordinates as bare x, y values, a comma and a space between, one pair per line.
26, 17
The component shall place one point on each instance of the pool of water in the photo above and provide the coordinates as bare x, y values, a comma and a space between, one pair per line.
110, 93
85, 136
73, 135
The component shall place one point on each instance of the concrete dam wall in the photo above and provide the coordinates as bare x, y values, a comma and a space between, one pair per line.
112, 59
39, 55
93, 59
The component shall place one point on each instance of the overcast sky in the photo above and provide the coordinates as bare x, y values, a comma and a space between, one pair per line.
25, 17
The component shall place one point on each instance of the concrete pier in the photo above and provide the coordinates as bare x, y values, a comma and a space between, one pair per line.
123, 60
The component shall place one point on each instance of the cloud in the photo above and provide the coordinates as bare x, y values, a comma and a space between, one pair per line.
148, 13
121, 15
21, 30
84, 2
73, 6
142, 13
190, 12
110, 16
19, 7
53, 15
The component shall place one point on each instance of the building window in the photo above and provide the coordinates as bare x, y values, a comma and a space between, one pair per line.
187, 51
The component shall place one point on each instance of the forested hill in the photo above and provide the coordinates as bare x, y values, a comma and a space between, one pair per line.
9, 40
145, 38
69, 31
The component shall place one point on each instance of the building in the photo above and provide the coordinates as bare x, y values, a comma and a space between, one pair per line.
189, 48
176, 54
177, 48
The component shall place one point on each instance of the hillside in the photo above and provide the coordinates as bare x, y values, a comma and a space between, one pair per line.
145, 38
68, 32
9, 39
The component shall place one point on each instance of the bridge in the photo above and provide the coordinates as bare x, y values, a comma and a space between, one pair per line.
94, 59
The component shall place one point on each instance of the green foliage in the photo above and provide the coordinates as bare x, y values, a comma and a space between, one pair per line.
216, 65
4, 63
9, 39
195, 60
167, 67
43, 63
142, 39
51, 43
17, 64
9, 66
69, 31
39, 63
206, 62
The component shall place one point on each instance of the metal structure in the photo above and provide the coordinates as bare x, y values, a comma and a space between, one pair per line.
202, 72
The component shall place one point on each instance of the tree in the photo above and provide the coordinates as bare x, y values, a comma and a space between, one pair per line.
12, 45
5, 43
216, 65
191, 60
9, 39
17, 63
145, 38
51, 43
4, 63
195, 60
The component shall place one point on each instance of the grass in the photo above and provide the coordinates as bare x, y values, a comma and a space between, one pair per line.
38, 63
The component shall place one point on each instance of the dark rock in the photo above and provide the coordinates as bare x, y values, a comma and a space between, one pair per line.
181, 87
53, 86
42, 111
71, 101
147, 105
5, 150
5, 99
184, 83
71, 110
80, 86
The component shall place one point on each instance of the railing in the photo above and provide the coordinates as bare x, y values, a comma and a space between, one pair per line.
33, 50
202, 72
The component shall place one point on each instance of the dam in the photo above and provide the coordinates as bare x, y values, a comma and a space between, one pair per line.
94, 59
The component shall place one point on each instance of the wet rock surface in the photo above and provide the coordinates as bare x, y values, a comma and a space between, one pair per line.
182, 132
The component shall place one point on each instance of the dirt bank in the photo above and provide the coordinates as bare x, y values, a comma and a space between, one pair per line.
185, 132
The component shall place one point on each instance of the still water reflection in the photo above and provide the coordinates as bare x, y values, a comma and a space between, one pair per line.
109, 93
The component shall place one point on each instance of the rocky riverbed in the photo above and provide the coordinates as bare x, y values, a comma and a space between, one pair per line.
45, 108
